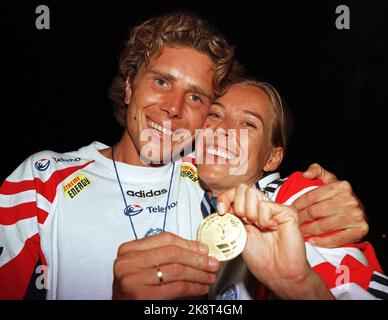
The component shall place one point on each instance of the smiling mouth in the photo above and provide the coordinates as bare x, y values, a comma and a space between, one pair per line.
220, 153
159, 128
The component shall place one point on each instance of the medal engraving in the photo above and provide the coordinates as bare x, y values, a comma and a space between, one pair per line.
224, 235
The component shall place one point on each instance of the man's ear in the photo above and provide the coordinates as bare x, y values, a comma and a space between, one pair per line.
275, 159
128, 92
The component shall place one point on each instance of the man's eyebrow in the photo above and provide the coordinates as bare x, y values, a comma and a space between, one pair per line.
219, 104
201, 92
162, 74
170, 77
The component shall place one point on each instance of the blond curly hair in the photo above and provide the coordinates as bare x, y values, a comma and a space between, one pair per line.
180, 29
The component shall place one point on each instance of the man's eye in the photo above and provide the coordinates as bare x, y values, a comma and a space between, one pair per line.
161, 82
196, 98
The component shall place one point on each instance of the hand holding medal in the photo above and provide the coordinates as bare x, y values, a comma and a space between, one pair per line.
224, 233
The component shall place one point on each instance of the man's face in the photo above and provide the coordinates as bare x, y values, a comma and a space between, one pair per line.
244, 109
172, 92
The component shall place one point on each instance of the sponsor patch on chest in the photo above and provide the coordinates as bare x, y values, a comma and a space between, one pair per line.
76, 185
188, 171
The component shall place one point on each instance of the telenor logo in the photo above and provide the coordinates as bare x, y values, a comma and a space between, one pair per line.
160, 209
133, 210
66, 160
42, 164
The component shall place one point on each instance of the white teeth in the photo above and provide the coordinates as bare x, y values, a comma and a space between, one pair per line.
219, 153
159, 128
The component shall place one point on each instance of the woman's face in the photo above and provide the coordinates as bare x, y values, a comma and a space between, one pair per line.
240, 149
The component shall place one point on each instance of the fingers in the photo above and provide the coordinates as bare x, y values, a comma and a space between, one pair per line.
341, 238
247, 204
330, 207
159, 240
225, 200
271, 215
315, 171
342, 219
320, 194
252, 201
264, 219
141, 260
177, 272
185, 272
243, 200
321, 226
240, 200
342, 215
344, 203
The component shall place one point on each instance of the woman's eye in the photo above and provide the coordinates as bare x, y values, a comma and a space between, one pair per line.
249, 125
214, 115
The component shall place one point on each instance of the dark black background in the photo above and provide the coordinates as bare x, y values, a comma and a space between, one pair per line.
54, 82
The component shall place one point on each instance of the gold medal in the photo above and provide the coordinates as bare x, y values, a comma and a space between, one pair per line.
224, 235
